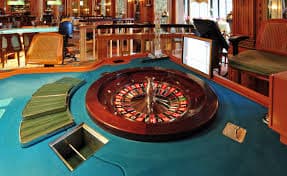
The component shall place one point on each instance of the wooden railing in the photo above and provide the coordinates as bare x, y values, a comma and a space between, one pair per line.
92, 19
127, 39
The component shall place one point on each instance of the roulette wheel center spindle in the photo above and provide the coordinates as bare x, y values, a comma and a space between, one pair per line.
149, 95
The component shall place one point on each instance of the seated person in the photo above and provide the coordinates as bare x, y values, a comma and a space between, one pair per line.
284, 13
2, 12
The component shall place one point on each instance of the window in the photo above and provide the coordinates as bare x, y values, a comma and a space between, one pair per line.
217, 9
220, 8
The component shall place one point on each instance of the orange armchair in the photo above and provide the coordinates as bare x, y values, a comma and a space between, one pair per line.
45, 48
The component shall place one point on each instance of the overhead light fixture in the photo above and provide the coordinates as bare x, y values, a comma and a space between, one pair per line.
15, 2
200, 1
55, 2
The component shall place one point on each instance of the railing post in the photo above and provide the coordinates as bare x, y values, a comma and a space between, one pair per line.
94, 44
83, 44
117, 31
104, 42
111, 43
131, 41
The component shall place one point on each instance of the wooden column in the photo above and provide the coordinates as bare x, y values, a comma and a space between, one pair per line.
113, 8
68, 8
147, 11
247, 18
244, 20
37, 8
172, 14
2, 5
130, 9
244, 17
261, 12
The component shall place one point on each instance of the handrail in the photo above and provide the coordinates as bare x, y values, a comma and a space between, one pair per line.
108, 38
114, 20
145, 26
105, 46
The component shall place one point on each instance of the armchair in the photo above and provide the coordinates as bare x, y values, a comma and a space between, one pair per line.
27, 39
10, 43
45, 48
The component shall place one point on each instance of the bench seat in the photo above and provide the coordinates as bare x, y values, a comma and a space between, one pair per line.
259, 62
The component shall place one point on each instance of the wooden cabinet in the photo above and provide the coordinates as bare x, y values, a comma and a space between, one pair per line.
278, 105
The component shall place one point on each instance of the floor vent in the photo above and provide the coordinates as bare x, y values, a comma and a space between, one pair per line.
78, 145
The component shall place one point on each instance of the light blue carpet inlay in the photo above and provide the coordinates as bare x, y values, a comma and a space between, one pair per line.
5, 102
2, 111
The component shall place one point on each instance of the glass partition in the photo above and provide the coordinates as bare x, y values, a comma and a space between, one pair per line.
80, 8
121, 8
277, 9
162, 7
103, 7
75, 8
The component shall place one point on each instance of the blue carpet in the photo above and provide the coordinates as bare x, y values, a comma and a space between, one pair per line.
205, 153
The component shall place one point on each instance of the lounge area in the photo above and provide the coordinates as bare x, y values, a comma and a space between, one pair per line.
143, 87
252, 68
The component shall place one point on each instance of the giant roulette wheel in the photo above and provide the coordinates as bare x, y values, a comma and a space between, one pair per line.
151, 104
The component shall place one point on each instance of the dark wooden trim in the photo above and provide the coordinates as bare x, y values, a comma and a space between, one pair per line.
255, 96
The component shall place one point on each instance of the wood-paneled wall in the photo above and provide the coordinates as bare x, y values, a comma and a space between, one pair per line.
37, 8
244, 17
247, 14
146, 12
247, 18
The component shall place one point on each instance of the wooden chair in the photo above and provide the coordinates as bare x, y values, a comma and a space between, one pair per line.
10, 43
45, 48
27, 39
